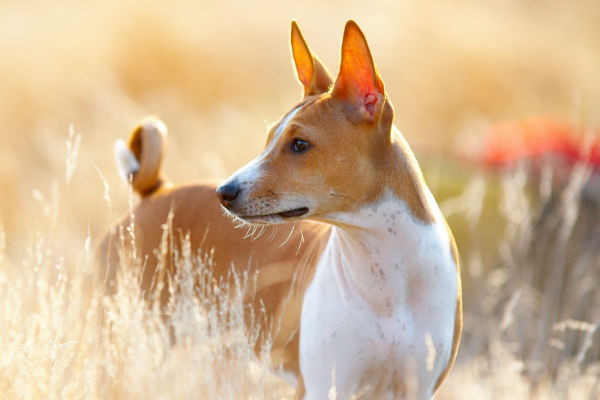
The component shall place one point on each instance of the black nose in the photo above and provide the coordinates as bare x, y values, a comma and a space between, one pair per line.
227, 193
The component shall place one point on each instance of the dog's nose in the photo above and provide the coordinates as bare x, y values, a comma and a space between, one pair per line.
227, 193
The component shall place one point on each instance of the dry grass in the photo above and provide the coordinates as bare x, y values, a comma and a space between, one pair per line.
63, 338
532, 321
217, 73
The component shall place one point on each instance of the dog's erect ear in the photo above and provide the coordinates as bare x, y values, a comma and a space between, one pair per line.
311, 72
358, 83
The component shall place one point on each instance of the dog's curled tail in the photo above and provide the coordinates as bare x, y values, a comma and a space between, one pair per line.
140, 159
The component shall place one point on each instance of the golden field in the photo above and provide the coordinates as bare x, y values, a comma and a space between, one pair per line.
75, 76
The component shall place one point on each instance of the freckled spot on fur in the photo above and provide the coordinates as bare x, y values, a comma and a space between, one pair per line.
415, 290
388, 303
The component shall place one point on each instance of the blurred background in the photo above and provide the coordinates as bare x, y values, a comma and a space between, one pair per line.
219, 72
478, 87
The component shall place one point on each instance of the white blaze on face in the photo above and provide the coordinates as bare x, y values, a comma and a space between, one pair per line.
285, 121
251, 172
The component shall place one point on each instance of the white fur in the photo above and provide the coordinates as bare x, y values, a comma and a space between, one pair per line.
383, 296
286, 120
127, 164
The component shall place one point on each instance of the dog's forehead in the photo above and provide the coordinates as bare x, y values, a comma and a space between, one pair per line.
319, 114
313, 110
303, 111
276, 129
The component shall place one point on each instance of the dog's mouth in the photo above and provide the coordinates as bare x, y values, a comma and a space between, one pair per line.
296, 212
293, 213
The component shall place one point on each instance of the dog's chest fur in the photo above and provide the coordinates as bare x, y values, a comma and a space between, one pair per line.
383, 287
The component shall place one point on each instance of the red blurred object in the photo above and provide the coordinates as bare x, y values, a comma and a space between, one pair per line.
533, 138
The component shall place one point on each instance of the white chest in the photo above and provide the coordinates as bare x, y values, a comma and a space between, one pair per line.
378, 316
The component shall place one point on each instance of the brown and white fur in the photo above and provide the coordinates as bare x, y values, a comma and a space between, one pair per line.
379, 291
281, 260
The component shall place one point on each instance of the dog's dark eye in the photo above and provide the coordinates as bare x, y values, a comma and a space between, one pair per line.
299, 145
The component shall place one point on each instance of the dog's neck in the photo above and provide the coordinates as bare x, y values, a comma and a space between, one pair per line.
383, 251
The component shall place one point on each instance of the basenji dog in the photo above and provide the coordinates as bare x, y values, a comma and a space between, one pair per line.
382, 314
375, 289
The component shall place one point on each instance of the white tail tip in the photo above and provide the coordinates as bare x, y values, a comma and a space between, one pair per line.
126, 161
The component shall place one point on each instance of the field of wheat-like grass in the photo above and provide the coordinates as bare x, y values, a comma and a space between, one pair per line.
74, 77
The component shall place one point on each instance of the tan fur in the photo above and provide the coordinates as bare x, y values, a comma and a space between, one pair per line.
311, 72
197, 212
354, 157
147, 143
458, 318
368, 161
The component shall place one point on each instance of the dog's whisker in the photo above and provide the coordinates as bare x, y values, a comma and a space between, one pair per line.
301, 241
273, 232
288, 238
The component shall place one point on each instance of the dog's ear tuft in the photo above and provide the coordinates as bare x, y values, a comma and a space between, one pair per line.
311, 72
358, 82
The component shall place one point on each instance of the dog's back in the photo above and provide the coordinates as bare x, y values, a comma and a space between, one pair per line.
281, 259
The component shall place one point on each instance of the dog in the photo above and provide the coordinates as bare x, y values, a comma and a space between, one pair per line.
383, 310
375, 291
278, 262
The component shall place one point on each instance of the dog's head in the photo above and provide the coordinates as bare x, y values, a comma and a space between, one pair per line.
329, 153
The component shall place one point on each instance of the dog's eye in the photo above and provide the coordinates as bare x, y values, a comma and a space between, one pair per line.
299, 145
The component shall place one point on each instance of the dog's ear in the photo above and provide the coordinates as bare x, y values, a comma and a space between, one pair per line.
358, 84
311, 72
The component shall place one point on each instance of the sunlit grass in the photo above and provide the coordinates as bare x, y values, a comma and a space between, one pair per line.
218, 73
527, 333
532, 322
